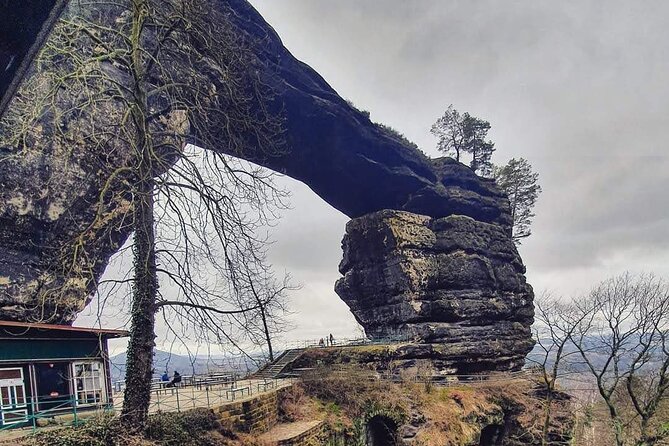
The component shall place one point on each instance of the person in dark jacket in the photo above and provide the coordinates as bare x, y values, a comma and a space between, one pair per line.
176, 379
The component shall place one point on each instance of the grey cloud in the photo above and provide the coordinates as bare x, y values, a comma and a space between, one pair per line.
577, 87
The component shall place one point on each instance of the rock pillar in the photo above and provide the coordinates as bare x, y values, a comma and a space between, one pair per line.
454, 286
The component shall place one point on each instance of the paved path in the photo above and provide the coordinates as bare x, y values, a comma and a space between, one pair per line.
185, 398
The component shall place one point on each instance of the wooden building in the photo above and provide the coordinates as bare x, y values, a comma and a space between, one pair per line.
46, 370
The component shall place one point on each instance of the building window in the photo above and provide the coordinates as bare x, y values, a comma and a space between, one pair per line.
52, 386
12, 396
89, 383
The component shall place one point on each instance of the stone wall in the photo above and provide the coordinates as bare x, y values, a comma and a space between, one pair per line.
260, 414
255, 415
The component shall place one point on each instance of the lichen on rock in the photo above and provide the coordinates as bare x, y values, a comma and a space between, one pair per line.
454, 285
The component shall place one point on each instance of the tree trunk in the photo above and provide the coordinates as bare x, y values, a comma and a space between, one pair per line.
615, 419
263, 316
547, 417
618, 428
139, 371
268, 337
645, 439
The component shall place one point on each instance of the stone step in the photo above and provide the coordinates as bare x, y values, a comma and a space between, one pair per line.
293, 434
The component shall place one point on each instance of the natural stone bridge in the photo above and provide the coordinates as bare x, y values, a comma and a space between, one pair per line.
428, 250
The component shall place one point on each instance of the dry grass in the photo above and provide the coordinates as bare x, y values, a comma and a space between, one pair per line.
445, 416
453, 415
355, 390
295, 405
345, 397
448, 416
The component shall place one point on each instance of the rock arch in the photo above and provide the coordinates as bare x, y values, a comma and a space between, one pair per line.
472, 297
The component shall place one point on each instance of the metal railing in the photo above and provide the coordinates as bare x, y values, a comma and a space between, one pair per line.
316, 374
67, 409
180, 398
197, 380
398, 338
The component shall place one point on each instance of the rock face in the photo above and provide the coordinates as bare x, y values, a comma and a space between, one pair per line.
452, 284
50, 197
349, 161
428, 253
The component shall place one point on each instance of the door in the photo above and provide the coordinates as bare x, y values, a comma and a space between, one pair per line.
13, 406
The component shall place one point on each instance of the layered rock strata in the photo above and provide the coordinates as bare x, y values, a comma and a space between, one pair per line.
444, 272
453, 285
50, 201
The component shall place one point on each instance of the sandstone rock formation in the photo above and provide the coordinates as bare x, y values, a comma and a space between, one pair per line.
49, 198
444, 271
452, 284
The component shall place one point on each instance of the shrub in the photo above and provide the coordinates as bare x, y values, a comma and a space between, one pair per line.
104, 430
294, 405
354, 389
182, 429
394, 133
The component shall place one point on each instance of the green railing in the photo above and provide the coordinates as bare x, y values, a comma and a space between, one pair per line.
65, 411
186, 397
386, 339
29, 415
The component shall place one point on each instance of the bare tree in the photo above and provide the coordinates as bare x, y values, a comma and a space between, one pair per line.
555, 322
623, 340
262, 291
121, 89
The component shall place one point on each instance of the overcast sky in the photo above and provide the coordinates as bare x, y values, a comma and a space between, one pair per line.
578, 88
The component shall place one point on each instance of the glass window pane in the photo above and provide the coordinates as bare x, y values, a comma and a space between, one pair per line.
4, 394
15, 416
20, 397
10, 373
89, 383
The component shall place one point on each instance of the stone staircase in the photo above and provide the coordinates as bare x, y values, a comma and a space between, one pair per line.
274, 369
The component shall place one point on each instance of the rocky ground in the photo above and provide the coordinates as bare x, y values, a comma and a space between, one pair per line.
356, 408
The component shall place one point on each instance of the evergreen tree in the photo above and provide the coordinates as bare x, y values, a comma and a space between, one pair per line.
520, 183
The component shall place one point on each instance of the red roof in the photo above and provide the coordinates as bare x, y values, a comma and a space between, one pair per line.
99, 331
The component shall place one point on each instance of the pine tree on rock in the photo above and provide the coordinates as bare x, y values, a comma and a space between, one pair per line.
460, 133
521, 185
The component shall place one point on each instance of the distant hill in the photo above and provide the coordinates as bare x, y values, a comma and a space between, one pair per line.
201, 364
575, 362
